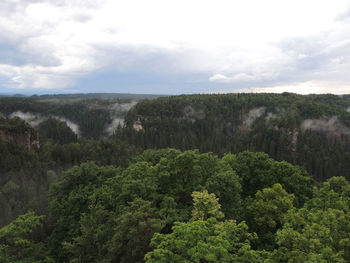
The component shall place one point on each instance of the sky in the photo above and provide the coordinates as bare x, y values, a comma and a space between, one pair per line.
174, 47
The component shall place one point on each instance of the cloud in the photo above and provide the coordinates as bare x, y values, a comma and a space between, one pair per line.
40, 36
344, 15
220, 78
307, 87
241, 77
53, 44
315, 64
82, 17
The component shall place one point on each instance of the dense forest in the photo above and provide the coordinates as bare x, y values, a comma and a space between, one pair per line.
196, 178
312, 131
88, 118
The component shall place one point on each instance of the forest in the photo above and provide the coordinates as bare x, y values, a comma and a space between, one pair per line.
190, 178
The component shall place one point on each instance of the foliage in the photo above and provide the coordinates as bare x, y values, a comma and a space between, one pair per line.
319, 232
91, 115
165, 207
266, 211
30, 173
258, 171
225, 202
133, 232
57, 131
69, 200
18, 244
205, 205
204, 239
270, 123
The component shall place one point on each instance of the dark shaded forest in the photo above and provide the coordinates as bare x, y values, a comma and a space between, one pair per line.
312, 131
195, 178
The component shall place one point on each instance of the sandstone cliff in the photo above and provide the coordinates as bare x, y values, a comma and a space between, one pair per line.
17, 131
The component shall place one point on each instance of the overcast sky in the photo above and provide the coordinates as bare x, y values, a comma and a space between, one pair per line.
173, 47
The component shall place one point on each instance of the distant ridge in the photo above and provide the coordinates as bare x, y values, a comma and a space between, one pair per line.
101, 96
12, 95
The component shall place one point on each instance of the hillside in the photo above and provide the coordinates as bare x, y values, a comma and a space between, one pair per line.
91, 197
88, 118
312, 131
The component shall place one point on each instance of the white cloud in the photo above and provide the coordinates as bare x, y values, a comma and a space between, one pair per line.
220, 78
308, 87
240, 77
243, 77
250, 43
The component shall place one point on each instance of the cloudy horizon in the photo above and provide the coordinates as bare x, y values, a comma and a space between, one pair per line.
174, 47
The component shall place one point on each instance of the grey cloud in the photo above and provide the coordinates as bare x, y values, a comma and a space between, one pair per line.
30, 52
18, 54
38, 53
133, 57
10, 7
322, 57
325, 56
147, 58
344, 16
80, 3
82, 17
307, 53
20, 41
10, 54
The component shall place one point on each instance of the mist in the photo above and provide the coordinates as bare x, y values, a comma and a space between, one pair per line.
330, 126
252, 115
114, 125
35, 119
122, 107
118, 110
74, 127
190, 113
270, 116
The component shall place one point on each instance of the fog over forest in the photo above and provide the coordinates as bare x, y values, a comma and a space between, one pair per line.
174, 131
247, 176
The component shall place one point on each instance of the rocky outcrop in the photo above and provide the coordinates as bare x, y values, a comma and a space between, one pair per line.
17, 131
